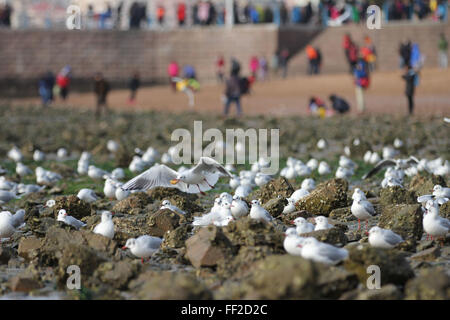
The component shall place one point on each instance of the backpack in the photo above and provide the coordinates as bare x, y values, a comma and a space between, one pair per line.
244, 85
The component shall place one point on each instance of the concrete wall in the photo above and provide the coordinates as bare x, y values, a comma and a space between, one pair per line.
25, 55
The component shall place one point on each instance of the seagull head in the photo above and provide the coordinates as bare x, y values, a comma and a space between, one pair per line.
437, 187
50, 203
180, 177
62, 214
256, 202
321, 219
290, 232
298, 221
130, 244
166, 203
106, 216
375, 230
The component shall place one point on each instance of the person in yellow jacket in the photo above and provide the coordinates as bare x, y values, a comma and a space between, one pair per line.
188, 86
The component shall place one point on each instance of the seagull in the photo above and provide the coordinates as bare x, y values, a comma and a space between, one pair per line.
346, 162
214, 216
308, 184
118, 174
292, 241
344, 173
262, 179
398, 164
29, 188
367, 156
434, 224
15, 154
374, 158
224, 222
143, 247
96, 173
323, 168
121, 194
106, 226
439, 191
290, 207
46, 177
167, 205
50, 203
391, 182
22, 170
7, 228
398, 143
383, 238
363, 210
6, 185
87, 195
243, 191
239, 207
322, 223
321, 144
259, 213
112, 146
358, 193
61, 153
313, 249
303, 226
63, 217
110, 188
200, 178
312, 164
235, 182
6, 196
299, 194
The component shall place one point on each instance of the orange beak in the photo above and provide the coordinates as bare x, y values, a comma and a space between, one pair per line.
124, 248
174, 181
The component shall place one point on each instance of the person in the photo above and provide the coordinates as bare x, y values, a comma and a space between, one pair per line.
312, 55
134, 85
410, 77
235, 67
181, 13
101, 89
318, 60
351, 51
63, 82
263, 68
362, 81
189, 72
443, 51
284, 57
317, 107
254, 66
160, 14
173, 70
220, 67
368, 53
339, 104
46, 84
188, 86
405, 53
5, 15
233, 93
274, 63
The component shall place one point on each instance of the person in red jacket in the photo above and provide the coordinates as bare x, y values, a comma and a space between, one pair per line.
63, 82
351, 51
181, 14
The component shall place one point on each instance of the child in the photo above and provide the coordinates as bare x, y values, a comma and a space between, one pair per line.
134, 85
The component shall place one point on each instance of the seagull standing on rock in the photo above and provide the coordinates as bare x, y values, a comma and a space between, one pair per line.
322, 223
200, 178
106, 226
87, 195
290, 207
63, 217
143, 247
166, 204
383, 238
363, 210
441, 192
433, 224
7, 228
303, 226
239, 207
259, 213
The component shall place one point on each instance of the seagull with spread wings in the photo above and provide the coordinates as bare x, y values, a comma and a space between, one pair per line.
397, 163
199, 178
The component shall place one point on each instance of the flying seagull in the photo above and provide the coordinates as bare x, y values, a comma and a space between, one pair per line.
199, 178
397, 163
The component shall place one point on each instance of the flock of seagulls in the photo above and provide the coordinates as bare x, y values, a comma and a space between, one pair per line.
230, 207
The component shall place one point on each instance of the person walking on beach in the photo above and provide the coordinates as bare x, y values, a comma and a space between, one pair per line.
362, 81
313, 59
46, 84
284, 57
351, 52
173, 70
135, 83
220, 68
233, 93
63, 82
443, 51
410, 77
101, 89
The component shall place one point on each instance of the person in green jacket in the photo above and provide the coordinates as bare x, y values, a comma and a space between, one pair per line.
443, 50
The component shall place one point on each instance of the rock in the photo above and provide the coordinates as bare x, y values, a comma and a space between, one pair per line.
168, 285
273, 189
5, 254
275, 206
427, 255
289, 217
394, 268
444, 210
130, 227
334, 236
360, 149
75, 207
397, 195
295, 278
135, 203
40, 226
64, 170
326, 197
176, 238
184, 201
423, 184
163, 221
387, 292
208, 247
250, 232
117, 274
404, 219
430, 284
28, 247
22, 283
342, 214
333, 282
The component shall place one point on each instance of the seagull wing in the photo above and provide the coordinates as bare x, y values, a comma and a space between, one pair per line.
368, 206
392, 238
424, 198
210, 165
156, 176
380, 165
149, 241
412, 160
332, 253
